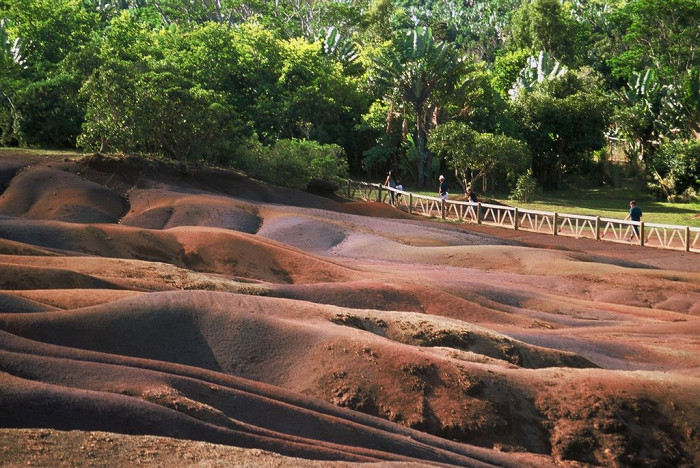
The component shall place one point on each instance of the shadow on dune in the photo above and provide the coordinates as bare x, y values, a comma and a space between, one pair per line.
57, 387
140, 297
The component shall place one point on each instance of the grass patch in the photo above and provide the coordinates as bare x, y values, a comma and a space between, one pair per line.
9, 152
612, 203
605, 202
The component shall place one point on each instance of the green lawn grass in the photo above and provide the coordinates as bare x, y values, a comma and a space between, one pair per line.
5, 151
604, 202
612, 203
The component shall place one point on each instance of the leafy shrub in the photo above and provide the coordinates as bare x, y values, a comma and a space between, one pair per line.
525, 187
7, 136
675, 170
48, 114
376, 159
293, 163
689, 195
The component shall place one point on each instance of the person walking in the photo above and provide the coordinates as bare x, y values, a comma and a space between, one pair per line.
635, 214
442, 189
471, 197
391, 183
399, 187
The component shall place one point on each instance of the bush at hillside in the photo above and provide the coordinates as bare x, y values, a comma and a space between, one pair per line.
293, 163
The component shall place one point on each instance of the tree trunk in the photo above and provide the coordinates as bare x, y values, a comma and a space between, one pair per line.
420, 145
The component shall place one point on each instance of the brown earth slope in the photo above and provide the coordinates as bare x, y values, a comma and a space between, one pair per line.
153, 316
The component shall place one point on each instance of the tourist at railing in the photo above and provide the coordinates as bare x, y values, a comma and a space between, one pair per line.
635, 214
442, 188
471, 196
675, 237
391, 183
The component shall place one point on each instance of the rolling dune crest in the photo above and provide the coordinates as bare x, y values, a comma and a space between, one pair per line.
206, 316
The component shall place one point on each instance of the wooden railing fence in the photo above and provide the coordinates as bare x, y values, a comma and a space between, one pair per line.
664, 236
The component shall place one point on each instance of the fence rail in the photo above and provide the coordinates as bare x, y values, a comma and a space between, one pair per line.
664, 236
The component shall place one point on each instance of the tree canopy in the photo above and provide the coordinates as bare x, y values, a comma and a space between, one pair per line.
377, 84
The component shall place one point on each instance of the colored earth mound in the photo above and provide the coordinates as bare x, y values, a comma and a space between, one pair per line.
151, 315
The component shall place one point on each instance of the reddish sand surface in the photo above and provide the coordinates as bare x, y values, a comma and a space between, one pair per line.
155, 315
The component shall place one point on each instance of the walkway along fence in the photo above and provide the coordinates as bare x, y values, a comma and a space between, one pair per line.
664, 236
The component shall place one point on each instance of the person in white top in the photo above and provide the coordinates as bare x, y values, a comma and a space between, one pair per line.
442, 189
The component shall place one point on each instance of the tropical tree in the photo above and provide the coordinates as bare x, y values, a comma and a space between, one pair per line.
186, 15
421, 73
660, 61
506, 68
317, 100
478, 28
386, 134
47, 30
378, 21
146, 95
638, 109
545, 25
663, 35
480, 104
563, 122
47, 112
649, 112
339, 47
111, 109
254, 76
537, 70
40, 97
599, 36
675, 170
8, 67
473, 155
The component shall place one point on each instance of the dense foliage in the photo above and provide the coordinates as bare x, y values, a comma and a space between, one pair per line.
293, 91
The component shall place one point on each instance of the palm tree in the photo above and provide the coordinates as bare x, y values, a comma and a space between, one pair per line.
422, 74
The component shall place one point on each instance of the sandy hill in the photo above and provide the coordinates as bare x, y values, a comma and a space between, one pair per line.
153, 315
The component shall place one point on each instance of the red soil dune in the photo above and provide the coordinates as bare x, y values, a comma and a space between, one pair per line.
151, 315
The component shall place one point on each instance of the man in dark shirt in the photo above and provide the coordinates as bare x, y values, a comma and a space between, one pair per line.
471, 195
635, 214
